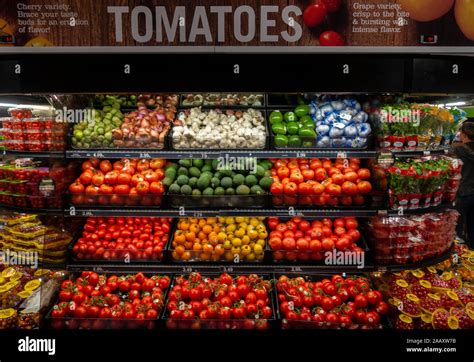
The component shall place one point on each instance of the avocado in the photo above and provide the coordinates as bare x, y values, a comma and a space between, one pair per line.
171, 173
251, 180
186, 190
182, 180
174, 189
238, 180
218, 175
196, 192
226, 182
203, 182
215, 182
208, 191
182, 171
230, 191
215, 163
206, 168
193, 182
194, 172
185, 163
225, 172
219, 191
256, 190
198, 163
260, 171
266, 182
167, 181
242, 190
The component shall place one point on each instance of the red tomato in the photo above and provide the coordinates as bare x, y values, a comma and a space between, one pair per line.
351, 176
76, 188
351, 223
291, 188
334, 190
314, 14
124, 178
364, 173
364, 187
331, 38
105, 166
276, 188
349, 188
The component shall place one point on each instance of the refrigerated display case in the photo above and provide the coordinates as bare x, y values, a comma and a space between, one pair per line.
281, 184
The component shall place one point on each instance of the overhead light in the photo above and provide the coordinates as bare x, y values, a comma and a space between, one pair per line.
30, 106
454, 104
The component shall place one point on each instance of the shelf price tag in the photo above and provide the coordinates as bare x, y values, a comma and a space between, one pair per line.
87, 213
227, 269
187, 269
296, 269
98, 155
144, 155
300, 154
426, 153
197, 214
341, 154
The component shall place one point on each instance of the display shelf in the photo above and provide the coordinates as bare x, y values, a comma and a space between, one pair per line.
417, 265
53, 212
421, 210
32, 154
408, 154
184, 212
147, 153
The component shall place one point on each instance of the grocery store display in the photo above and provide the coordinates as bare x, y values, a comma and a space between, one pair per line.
426, 299
23, 132
25, 235
219, 301
219, 129
203, 183
331, 302
223, 99
25, 295
128, 182
26, 183
340, 123
320, 182
259, 229
411, 238
122, 239
239, 240
311, 240
424, 182
93, 301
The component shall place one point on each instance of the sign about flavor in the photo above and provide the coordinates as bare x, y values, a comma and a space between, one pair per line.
237, 23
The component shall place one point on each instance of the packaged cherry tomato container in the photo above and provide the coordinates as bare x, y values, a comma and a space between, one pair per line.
184, 308
20, 113
305, 302
117, 310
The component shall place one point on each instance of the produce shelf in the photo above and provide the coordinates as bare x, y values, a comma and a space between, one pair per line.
287, 153
420, 264
421, 210
408, 154
32, 154
57, 212
184, 212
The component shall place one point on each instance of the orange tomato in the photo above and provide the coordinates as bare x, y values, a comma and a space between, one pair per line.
363, 173
308, 174
338, 178
351, 176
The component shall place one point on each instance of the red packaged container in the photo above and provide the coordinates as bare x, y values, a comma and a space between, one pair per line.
20, 113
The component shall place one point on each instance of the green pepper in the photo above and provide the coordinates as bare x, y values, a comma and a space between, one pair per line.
276, 117
308, 144
281, 140
292, 127
302, 110
294, 141
279, 128
307, 134
308, 124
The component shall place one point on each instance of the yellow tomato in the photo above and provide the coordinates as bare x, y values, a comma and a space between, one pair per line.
464, 13
426, 10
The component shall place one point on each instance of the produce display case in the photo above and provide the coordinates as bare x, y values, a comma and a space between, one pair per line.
332, 179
